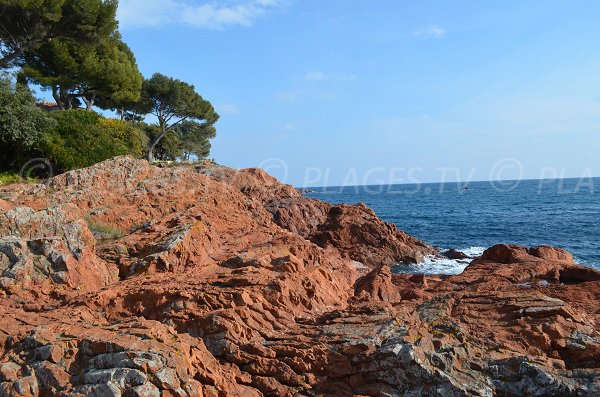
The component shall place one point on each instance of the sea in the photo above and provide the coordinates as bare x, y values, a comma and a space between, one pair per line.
473, 216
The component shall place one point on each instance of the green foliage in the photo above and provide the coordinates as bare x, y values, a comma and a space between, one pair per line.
115, 75
187, 140
72, 70
134, 138
131, 110
195, 139
7, 178
27, 25
73, 48
102, 230
83, 138
168, 148
82, 58
22, 125
173, 101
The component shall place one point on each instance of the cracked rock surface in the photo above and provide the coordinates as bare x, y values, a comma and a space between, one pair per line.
126, 279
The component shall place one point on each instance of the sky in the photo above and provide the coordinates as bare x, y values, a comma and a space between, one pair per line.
339, 92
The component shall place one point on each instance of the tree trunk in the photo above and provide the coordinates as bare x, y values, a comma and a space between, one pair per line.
66, 99
7, 60
164, 130
57, 98
89, 103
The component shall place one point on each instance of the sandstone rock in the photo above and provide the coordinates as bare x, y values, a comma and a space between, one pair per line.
359, 234
227, 283
454, 254
378, 286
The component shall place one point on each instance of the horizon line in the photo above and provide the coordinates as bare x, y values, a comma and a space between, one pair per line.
454, 182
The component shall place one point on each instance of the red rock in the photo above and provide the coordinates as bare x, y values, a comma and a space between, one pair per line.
454, 254
378, 286
227, 283
551, 253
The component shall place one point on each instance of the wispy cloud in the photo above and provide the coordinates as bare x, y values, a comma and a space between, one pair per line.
228, 108
204, 14
321, 76
431, 32
315, 76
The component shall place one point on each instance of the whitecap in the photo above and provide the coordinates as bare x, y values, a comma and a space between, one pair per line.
437, 264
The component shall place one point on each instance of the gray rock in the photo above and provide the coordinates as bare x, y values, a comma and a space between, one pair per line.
146, 390
124, 377
168, 379
9, 371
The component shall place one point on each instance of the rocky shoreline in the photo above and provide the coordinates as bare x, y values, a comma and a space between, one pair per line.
126, 279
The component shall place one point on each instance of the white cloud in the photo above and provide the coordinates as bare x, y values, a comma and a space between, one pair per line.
228, 108
320, 76
431, 32
142, 13
205, 14
315, 76
287, 96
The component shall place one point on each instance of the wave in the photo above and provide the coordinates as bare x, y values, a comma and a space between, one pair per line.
438, 264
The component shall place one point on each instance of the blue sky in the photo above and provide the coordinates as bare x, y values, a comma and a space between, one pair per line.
330, 92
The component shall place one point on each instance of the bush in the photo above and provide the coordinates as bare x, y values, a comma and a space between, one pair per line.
7, 178
22, 125
134, 138
102, 230
82, 138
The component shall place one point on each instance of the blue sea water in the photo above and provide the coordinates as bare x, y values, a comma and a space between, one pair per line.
473, 216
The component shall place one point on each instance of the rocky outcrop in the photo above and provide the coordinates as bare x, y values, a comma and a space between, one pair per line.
126, 279
454, 254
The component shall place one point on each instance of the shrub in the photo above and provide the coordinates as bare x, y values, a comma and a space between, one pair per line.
7, 178
134, 138
82, 138
102, 230
22, 125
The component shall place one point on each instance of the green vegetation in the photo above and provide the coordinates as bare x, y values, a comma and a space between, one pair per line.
73, 49
28, 25
173, 102
6, 178
83, 72
184, 141
22, 125
83, 138
102, 230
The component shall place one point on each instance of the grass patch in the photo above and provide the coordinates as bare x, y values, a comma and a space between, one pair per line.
7, 178
103, 231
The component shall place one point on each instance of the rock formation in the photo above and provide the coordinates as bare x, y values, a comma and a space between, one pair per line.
125, 279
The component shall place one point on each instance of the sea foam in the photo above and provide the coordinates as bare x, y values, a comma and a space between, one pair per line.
438, 264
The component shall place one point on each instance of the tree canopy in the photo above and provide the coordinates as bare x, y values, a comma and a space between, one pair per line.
26, 25
187, 140
173, 101
195, 139
73, 49
85, 71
